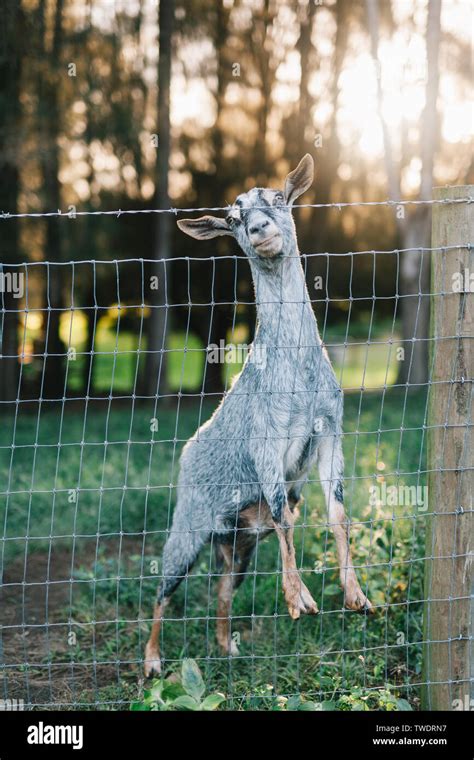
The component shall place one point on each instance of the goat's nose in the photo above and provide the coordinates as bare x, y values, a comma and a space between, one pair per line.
259, 226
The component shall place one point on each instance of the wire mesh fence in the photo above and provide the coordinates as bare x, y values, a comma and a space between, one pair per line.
89, 462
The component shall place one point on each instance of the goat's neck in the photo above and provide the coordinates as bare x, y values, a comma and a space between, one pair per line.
283, 305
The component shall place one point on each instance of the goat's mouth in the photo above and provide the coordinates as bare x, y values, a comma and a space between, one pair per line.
271, 246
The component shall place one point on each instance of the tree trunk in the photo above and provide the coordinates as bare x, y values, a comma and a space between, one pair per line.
221, 315
259, 40
222, 66
54, 362
87, 237
393, 175
415, 267
154, 382
327, 156
10, 136
414, 232
305, 137
415, 309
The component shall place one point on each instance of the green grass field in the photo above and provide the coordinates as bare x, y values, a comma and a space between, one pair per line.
96, 512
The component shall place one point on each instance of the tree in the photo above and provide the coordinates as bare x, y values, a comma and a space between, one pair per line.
154, 381
414, 231
329, 156
261, 45
49, 119
219, 317
11, 56
415, 268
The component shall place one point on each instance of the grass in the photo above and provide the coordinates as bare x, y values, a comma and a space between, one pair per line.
116, 499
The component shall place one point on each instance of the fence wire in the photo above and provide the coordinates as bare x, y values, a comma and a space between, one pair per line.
89, 462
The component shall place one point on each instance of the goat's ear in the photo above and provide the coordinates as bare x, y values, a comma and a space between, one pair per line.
204, 228
298, 181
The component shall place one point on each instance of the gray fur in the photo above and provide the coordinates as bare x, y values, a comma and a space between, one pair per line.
280, 416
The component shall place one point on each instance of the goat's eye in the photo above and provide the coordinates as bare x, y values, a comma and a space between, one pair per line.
278, 199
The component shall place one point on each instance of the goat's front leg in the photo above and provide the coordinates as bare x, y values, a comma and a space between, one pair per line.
297, 596
331, 466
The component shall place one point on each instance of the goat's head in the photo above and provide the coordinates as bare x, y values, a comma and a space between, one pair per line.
260, 220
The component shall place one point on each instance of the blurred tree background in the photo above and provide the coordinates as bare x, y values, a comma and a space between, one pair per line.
138, 104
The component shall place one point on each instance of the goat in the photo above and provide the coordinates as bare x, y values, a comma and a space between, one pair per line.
242, 473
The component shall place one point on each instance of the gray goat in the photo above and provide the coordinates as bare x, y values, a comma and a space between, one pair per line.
242, 473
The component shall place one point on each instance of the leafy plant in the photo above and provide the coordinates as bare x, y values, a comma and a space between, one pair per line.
379, 699
358, 700
186, 694
299, 704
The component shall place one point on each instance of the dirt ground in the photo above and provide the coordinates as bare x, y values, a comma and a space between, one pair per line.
35, 656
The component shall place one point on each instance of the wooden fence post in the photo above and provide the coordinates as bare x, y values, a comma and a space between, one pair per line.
448, 666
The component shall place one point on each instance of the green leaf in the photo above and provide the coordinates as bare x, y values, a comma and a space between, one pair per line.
359, 706
293, 703
185, 703
309, 706
172, 691
212, 702
139, 706
191, 679
328, 704
403, 704
156, 691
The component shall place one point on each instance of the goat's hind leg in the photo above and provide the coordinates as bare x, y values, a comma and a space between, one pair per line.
179, 554
234, 565
152, 663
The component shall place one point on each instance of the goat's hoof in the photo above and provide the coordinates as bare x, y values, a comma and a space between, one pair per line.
356, 600
152, 664
310, 606
300, 601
